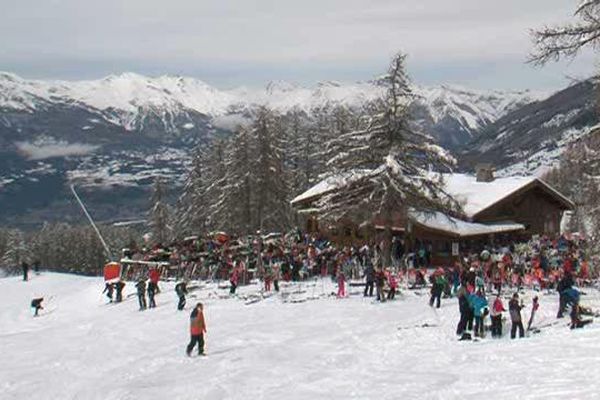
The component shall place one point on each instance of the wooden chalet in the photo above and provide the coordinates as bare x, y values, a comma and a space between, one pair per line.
495, 210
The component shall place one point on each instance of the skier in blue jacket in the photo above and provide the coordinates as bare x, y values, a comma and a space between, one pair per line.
479, 304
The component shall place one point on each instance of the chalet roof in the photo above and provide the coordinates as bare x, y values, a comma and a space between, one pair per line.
475, 197
443, 223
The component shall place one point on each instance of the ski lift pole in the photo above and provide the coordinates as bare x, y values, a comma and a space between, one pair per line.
89, 217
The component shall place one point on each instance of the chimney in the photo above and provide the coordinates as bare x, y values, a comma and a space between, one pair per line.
484, 172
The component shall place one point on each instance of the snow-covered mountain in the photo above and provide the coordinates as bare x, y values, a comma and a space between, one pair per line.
172, 104
531, 138
122, 130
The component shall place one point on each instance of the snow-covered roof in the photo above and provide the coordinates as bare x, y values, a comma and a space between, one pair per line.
474, 196
441, 222
328, 184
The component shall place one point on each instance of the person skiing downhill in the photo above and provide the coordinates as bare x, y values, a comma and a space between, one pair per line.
197, 330
181, 290
36, 304
393, 284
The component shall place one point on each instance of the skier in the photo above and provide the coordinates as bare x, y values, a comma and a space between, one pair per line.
197, 330
25, 267
151, 293
36, 304
36, 267
496, 314
479, 304
119, 287
564, 284
341, 281
534, 307
514, 307
109, 289
439, 282
141, 293
393, 284
466, 316
379, 284
233, 279
181, 290
154, 276
276, 276
370, 280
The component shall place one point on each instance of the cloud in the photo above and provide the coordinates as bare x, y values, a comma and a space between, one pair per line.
40, 151
230, 122
233, 41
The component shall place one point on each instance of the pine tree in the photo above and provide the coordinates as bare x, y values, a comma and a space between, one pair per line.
387, 164
159, 213
17, 250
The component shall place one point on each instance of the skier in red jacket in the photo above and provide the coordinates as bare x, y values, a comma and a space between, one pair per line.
197, 330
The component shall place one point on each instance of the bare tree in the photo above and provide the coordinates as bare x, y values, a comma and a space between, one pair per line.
566, 41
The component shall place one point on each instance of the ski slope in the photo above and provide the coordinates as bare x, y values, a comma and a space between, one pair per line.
327, 348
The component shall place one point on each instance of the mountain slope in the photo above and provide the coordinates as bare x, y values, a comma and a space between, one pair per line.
531, 138
119, 132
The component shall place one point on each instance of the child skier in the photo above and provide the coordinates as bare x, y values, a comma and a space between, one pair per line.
36, 304
393, 284
197, 330
233, 279
496, 314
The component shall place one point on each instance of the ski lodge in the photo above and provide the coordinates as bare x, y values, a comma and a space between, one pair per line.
495, 210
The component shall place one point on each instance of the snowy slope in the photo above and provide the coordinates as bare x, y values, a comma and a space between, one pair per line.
81, 348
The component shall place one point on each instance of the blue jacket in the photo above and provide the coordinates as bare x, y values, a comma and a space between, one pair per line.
571, 296
478, 304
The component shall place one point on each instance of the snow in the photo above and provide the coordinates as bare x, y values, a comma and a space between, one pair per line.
442, 222
472, 195
328, 184
477, 196
81, 348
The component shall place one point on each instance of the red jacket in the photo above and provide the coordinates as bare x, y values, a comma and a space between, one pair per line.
154, 275
197, 324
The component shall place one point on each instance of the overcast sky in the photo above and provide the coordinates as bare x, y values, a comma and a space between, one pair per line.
476, 43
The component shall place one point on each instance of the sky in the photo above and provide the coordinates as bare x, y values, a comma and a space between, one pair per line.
475, 43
